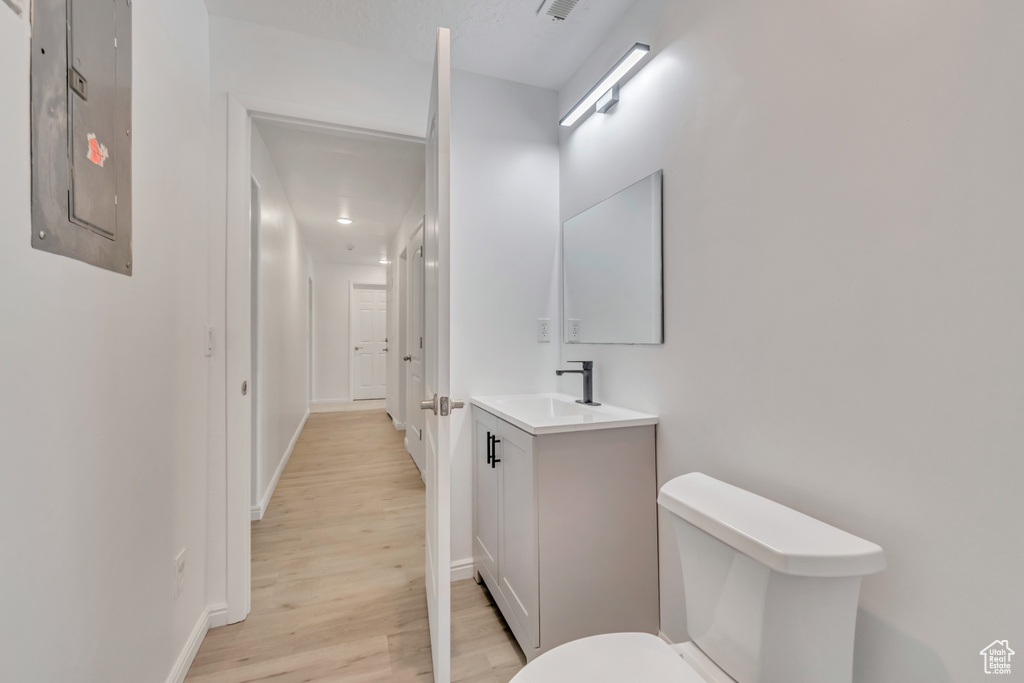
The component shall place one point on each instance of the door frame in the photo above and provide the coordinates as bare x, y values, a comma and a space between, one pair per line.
309, 341
256, 378
401, 317
352, 287
414, 416
235, 413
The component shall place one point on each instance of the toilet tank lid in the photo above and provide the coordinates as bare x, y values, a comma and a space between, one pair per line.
785, 540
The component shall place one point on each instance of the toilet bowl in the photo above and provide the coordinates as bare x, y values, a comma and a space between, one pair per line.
771, 597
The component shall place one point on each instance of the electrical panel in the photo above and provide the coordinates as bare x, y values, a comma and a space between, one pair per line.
82, 130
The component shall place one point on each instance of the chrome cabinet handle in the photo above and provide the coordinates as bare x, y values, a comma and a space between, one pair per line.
406, 358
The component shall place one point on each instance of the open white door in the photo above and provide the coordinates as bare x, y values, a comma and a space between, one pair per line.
413, 358
436, 380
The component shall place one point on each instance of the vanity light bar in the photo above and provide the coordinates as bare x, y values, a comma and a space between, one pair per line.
621, 68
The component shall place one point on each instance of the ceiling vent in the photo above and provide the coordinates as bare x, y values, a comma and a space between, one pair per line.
557, 9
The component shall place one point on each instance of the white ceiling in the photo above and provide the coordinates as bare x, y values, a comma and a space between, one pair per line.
501, 38
372, 180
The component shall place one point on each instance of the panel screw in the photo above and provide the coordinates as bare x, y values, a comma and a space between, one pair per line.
42, 235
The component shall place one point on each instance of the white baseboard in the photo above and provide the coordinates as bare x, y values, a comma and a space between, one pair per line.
218, 615
344, 405
256, 512
399, 426
213, 615
462, 569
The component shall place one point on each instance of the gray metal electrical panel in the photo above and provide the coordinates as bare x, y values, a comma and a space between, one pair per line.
82, 130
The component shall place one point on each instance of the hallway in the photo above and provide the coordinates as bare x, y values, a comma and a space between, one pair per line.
337, 573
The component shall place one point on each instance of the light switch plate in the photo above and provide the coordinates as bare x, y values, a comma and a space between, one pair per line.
543, 329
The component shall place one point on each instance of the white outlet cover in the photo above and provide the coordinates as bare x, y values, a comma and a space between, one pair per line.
543, 329
574, 329
179, 573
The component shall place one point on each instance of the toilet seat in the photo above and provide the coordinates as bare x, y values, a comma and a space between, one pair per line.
611, 658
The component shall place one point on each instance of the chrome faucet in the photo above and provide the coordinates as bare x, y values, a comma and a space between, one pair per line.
588, 381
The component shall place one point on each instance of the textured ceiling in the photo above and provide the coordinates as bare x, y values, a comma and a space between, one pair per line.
372, 180
501, 38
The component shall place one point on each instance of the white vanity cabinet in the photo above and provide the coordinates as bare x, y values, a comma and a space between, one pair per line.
505, 532
565, 529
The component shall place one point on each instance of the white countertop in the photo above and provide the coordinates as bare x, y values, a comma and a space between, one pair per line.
555, 413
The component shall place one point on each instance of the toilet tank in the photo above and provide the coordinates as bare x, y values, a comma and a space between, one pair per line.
771, 594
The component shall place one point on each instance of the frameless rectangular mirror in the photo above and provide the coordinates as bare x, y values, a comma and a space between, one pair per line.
612, 269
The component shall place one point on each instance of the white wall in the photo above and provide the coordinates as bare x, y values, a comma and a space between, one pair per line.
331, 304
504, 239
844, 289
291, 74
103, 387
320, 79
282, 382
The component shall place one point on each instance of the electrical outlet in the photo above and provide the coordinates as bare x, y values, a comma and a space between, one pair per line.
543, 329
179, 573
574, 330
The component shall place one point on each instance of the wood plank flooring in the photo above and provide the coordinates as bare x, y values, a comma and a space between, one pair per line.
337, 574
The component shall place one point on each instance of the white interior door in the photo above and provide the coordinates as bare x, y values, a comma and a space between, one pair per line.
436, 379
368, 334
391, 383
413, 358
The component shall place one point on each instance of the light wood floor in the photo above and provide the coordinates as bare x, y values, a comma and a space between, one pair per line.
337, 574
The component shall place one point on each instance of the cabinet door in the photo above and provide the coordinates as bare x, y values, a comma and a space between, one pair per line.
517, 554
485, 522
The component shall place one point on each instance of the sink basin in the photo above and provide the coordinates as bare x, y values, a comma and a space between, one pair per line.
546, 407
554, 413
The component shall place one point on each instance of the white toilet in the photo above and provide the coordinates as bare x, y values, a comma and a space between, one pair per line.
771, 597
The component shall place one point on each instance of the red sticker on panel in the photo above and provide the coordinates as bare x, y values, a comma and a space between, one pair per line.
97, 152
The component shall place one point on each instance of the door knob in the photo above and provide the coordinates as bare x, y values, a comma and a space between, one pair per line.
406, 358
430, 405
385, 349
357, 348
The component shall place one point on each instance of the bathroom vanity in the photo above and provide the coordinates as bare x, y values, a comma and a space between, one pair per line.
565, 517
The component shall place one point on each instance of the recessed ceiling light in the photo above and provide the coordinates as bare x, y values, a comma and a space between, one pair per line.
345, 221
384, 260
